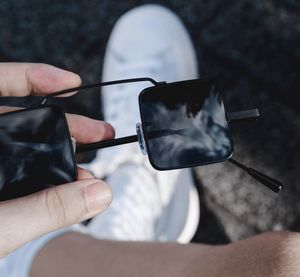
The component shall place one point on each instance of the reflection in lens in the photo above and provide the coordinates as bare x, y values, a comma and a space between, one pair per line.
186, 125
34, 152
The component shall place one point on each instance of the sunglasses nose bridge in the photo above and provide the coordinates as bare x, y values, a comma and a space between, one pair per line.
141, 138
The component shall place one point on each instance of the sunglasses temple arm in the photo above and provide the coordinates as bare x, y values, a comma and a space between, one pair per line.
105, 144
269, 182
242, 115
124, 140
132, 80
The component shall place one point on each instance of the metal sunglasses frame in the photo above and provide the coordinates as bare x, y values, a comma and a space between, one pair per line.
274, 185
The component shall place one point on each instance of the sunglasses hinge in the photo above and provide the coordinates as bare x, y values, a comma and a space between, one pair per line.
141, 138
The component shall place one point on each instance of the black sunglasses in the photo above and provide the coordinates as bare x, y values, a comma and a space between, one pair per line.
183, 124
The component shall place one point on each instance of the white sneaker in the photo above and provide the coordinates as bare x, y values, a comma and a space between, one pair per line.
149, 205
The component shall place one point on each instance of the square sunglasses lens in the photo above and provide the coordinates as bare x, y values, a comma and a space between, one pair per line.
184, 125
35, 151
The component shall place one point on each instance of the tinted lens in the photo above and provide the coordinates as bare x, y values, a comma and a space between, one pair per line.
184, 125
35, 151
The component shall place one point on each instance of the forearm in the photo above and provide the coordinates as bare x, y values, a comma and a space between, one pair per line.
273, 254
80, 255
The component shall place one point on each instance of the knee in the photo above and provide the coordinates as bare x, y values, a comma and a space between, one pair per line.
287, 258
276, 254
272, 254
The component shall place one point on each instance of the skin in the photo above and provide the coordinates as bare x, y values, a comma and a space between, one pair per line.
273, 254
29, 217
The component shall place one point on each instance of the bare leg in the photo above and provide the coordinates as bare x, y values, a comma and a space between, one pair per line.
270, 254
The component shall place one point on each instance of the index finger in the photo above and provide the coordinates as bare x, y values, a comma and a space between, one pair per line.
22, 79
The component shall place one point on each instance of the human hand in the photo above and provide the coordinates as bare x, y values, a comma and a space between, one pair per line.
26, 218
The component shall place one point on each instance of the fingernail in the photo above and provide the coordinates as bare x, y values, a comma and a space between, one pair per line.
71, 78
98, 196
109, 131
58, 71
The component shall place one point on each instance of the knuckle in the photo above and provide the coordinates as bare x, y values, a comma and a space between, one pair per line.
56, 208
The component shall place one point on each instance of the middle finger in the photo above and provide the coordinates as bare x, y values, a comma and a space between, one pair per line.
82, 128
87, 130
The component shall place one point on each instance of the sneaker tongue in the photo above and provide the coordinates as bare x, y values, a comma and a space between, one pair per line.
157, 64
160, 68
131, 50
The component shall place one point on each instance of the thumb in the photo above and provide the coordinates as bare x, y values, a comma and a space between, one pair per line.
26, 218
